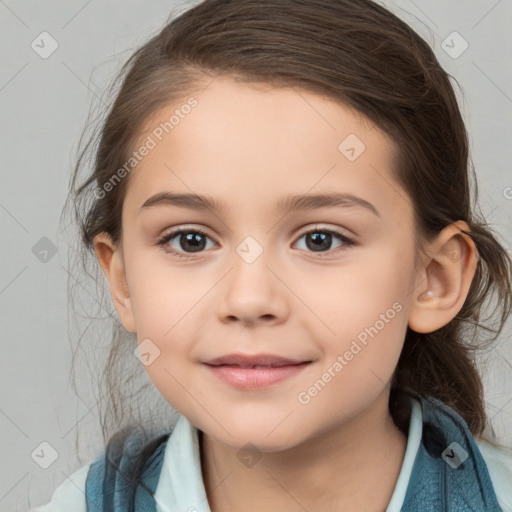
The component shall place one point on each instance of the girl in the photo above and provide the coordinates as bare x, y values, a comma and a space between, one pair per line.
280, 203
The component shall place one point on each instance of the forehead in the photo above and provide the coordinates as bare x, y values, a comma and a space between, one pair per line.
243, 144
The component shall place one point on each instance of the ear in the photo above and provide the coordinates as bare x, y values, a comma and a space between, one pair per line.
444, 279
111, 259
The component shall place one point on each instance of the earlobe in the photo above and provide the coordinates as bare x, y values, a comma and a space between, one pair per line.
444, 280
111, 260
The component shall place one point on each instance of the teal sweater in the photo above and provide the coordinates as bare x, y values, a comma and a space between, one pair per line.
449, 473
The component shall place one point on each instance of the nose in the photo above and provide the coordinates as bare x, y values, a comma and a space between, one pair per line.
253, 292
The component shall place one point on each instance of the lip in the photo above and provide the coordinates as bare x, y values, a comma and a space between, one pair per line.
250, 361
246, 372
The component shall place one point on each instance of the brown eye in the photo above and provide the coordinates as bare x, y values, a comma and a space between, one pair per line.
188, 241
321, 240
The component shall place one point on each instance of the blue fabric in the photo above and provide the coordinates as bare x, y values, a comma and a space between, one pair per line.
449, 472
106, 488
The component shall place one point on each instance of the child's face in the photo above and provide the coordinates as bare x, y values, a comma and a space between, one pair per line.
257, 285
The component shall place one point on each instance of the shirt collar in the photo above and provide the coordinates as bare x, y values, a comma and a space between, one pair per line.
181, 488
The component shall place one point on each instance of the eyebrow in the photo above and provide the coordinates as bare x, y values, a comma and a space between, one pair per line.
289, 203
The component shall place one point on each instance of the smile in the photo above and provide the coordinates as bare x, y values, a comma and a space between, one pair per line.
255, 376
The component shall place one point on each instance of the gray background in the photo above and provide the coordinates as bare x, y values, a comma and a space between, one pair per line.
44, 105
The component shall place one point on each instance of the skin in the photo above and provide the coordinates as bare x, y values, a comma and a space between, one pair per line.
249, 147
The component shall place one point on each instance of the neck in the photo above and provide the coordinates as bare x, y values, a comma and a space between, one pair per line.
354, 466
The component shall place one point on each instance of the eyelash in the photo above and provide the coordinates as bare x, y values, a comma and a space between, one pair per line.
347, 242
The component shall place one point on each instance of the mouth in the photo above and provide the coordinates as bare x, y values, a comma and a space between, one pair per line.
254, 361
248, 376
247, 366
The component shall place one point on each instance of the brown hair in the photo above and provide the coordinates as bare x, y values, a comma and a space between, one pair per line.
355, 52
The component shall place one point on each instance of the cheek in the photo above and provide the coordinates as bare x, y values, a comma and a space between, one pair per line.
162, 294
354, 295
363, 308
167, 305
